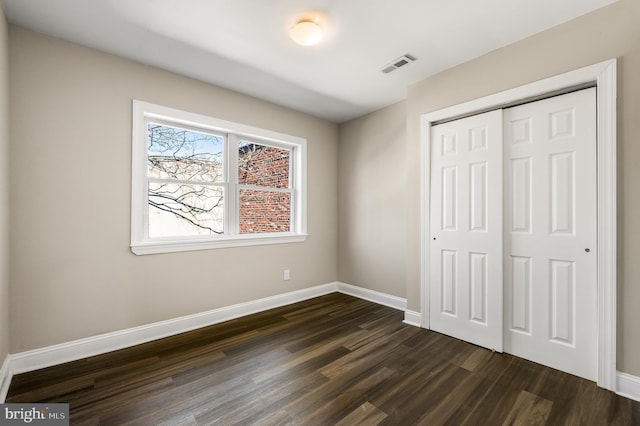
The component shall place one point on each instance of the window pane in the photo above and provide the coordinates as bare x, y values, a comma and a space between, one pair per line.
178, 210
264, 211
263, 165
174, 153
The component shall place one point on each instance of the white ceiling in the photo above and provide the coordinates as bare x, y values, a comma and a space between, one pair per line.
243, 45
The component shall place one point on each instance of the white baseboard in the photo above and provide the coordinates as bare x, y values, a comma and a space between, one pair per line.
5, 379
628, 386
373, 296
412, 318
96, 345
70, 351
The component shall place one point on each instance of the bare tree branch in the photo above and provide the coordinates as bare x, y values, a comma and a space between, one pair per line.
186, 156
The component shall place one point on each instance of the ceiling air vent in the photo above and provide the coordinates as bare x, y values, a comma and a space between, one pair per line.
398, 62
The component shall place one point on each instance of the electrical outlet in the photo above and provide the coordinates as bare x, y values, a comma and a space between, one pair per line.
286, 275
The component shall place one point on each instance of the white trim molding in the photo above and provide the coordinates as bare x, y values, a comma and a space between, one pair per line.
603, 76
5, 379
82, 348
103, 343
628, 386
412, 318
394, 302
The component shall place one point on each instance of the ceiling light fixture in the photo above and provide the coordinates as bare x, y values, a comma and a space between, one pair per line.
306, 33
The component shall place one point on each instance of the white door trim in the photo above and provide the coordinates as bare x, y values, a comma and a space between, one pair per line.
603, 74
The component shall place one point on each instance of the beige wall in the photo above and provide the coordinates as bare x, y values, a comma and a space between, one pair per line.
371, 198
4, 188
72, 273
612, 32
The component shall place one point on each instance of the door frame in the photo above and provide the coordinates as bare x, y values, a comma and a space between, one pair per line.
603, 76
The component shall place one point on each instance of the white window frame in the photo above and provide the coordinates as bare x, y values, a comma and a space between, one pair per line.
142, 244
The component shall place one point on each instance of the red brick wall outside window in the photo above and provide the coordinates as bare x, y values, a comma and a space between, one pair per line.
264, 210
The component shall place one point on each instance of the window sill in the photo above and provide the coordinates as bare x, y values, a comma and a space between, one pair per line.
157, 247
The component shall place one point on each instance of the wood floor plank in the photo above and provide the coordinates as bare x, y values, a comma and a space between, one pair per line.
128, 404
361, 358
277, 418
252, 392
367, 414
432, 386
503, 393
489, 372
330, 360
278, 392
453, 402
302, 357
478, 357
529, 409
344, 403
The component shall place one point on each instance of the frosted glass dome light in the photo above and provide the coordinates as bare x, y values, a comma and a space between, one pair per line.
306, 33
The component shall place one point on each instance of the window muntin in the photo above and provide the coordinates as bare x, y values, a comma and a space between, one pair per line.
201, 183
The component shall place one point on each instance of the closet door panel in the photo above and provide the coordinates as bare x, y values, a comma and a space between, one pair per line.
552, 223
466, 229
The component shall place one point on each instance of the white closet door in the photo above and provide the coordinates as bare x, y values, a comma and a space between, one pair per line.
466, 230
551, 232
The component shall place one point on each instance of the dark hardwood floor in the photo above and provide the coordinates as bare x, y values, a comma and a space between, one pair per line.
333, 360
